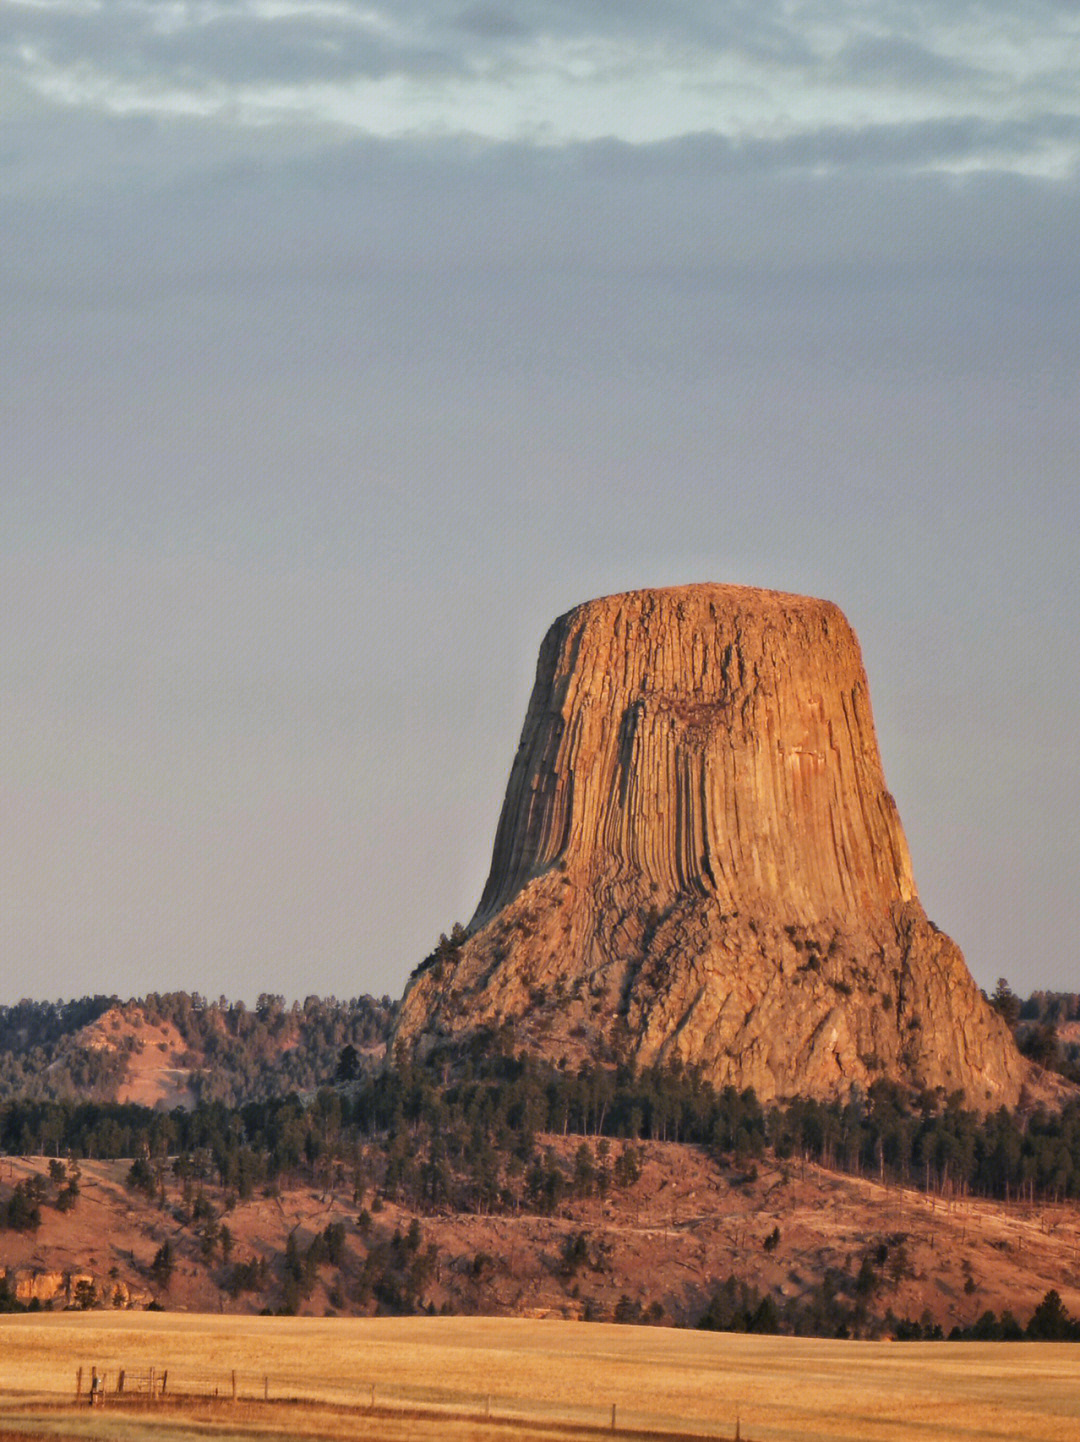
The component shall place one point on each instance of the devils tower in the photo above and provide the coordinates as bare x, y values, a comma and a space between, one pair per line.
698, 859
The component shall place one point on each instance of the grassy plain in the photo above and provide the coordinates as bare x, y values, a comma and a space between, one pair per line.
537, 1372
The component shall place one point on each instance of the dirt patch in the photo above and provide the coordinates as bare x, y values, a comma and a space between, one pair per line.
157, 1069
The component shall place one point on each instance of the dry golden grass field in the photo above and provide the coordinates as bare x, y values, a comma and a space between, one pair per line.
439, 1377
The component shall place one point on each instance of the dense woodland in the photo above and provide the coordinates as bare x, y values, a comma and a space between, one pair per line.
1046, 1026
464, 1134
236, 1054
40, 1053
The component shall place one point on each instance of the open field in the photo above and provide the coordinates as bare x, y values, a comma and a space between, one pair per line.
434, 1378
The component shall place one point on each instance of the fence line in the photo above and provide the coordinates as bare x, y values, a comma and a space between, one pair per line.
125, 1386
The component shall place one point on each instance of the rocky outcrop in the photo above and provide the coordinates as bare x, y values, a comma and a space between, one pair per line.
698, 859
29, 1286
63, 1289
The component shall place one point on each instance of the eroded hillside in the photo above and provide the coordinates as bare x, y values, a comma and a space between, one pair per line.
176, 1048
658, 1245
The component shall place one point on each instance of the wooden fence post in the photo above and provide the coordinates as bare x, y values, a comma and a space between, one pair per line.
613, 1416
164, 1380
120, 1382
266, 1388
234, 1385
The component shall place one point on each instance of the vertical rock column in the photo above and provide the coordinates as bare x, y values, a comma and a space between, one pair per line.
698, 858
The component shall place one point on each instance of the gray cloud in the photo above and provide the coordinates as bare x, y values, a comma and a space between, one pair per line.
896, 60
765, 31
296, 51
491, 22
831, 76
236, 45
920, 145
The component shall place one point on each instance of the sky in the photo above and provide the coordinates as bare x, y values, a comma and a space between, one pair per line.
344, 345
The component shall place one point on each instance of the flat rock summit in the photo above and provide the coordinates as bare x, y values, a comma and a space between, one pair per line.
698, 860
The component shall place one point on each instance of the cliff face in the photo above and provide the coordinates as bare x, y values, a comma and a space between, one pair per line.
698, 859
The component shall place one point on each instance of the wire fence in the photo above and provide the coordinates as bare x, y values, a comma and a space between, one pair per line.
169, 1386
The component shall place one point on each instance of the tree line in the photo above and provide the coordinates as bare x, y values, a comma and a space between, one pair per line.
456, 1134
1039, 1026
840, 1306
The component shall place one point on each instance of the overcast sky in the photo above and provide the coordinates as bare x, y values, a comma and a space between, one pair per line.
344, 345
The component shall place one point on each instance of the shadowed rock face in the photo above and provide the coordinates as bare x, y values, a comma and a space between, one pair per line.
698, 859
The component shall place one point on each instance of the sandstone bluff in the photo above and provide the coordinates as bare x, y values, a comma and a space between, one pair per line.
698, 859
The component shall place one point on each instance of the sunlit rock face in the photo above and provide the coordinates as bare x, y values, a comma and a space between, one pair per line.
698, 859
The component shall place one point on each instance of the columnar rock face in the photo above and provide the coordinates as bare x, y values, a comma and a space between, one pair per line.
698, 859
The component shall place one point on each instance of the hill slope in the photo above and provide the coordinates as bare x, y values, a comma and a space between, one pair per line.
846, 1250
175, 1048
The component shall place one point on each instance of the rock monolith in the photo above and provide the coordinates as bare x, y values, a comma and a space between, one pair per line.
698, 860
